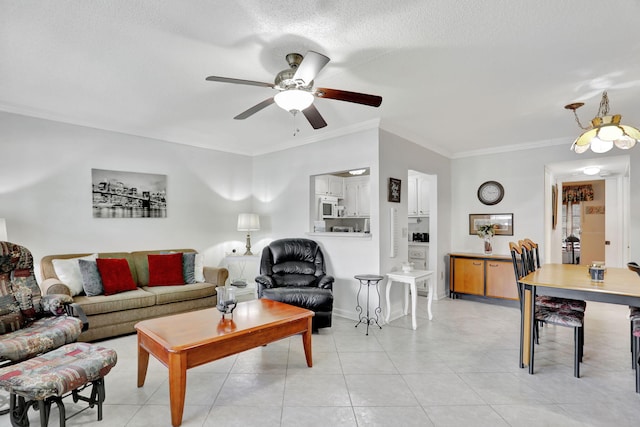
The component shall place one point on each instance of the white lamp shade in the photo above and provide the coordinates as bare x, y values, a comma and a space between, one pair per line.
248, 222
3, 230
293, 99
605, 132
600, 146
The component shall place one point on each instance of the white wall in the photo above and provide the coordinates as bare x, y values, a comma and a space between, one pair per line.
45, 183
397, 157
281, 185
522, 173
45, 190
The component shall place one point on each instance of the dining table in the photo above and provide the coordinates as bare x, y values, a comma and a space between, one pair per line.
620, 286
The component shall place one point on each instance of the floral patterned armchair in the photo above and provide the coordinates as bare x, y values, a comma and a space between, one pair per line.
30, 323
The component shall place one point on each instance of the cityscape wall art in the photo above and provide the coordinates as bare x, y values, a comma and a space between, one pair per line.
118, 194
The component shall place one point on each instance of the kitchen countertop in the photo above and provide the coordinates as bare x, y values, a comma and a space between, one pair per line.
340, 234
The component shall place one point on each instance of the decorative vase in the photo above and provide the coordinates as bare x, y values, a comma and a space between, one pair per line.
488, 247
226, 301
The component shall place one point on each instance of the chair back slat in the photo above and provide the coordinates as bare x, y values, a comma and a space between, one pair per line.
519, 265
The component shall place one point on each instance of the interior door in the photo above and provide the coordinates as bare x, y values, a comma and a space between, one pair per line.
592, 221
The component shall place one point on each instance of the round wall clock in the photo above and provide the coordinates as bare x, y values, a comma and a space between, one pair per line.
490, 192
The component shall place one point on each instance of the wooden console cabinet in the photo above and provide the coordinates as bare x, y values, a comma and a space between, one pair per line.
484, 275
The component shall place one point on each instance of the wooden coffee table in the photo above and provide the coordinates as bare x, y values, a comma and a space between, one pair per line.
191, 339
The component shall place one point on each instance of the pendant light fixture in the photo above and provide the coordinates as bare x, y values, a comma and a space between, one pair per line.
605, 130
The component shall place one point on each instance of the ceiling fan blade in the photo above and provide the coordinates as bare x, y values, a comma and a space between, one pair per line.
238, 81
310, 66
251, 111
343, 95
313, 115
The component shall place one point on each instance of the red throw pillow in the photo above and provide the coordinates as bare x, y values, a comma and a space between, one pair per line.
115, 274
165, 269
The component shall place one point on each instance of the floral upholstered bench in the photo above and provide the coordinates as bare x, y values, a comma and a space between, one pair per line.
50, 377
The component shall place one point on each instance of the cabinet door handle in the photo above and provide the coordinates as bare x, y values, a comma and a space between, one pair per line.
477, 263
493, 265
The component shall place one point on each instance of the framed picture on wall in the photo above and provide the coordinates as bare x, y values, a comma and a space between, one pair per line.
503, 223
119, 194
394, 190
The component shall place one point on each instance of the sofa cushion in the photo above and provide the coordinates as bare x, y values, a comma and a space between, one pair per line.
41, 336
198, 269
141, 261
188, 267
68, 271
122, 301
91, 281
115, 274
165, 269
315, 299
169, 294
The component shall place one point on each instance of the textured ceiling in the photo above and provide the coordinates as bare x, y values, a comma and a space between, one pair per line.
458, 77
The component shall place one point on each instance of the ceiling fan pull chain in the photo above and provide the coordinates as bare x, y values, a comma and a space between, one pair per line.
295, 127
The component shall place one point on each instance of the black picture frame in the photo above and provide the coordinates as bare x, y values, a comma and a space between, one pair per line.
395, 186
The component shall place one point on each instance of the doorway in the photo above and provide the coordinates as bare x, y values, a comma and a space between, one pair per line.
422, 212
583, 222
614, 212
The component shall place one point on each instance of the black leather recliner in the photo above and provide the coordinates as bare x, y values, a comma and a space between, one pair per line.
292, 271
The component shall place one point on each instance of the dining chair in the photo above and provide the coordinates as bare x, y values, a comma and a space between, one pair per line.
531, 258
562, 316
634, 325
635, 343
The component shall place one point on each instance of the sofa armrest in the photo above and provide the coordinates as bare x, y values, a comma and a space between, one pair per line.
215, 275
326, 282
75, 310
263, 282
54, 286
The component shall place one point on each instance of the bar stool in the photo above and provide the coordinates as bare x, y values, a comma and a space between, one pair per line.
368, 280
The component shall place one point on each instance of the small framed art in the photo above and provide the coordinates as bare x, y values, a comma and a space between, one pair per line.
394, 190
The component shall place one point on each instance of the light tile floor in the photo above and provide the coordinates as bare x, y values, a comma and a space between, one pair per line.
460, 369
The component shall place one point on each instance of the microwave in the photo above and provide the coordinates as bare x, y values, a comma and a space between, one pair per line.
328, 207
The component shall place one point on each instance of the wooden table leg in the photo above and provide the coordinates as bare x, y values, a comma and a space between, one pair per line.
177, 386
143, 363
306, 343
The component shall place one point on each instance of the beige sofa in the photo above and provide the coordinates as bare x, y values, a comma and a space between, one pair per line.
117, 314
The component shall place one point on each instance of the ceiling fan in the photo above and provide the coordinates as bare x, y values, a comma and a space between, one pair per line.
296, 91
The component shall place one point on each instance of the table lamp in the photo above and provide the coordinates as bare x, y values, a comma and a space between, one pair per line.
248, 222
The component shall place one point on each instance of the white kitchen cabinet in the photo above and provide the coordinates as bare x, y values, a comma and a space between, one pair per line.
412, 195
423, 196
357, 197
418, 196
330, 185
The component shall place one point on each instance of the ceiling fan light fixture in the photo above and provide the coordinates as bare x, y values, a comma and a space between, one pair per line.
293, 99
605, 131
591, 170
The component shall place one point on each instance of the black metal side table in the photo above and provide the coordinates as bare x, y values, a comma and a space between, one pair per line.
368, 280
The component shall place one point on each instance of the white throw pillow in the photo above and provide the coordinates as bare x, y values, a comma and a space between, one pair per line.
68, 271
199, 268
